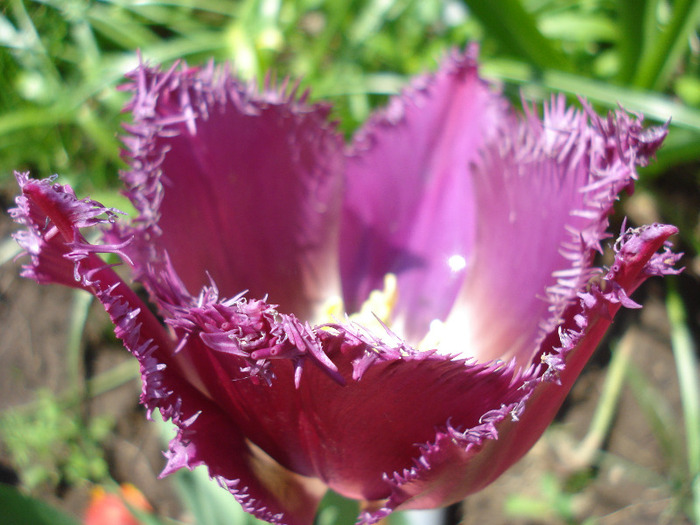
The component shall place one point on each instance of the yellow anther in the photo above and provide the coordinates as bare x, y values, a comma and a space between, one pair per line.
434, 336
379, 305
331, 311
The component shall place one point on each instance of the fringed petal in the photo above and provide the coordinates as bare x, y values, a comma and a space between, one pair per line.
59, 253
460, 459
409, 207
208, 435
53, 216
543, 192
313, 423
235, 185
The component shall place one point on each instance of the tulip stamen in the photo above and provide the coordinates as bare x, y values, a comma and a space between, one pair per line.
375, 314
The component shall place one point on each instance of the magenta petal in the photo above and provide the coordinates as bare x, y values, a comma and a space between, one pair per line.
314, 427
543, 191
209, 436
461, 460
59, 254
236, 185
53, 216
409, 202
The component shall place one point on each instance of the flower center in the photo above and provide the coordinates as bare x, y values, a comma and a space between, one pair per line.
376, 313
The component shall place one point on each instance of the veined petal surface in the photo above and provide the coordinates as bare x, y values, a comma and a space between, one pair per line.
235, 185
409, 207
543, 192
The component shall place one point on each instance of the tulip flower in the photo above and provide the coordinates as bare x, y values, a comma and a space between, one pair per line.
397, 320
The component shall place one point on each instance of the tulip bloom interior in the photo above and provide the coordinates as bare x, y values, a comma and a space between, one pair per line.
398, 319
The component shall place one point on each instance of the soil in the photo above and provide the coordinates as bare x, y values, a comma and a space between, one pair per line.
630, 485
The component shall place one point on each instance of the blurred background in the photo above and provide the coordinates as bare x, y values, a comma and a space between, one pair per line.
626, 446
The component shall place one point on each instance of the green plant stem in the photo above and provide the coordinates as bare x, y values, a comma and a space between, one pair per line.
113, 378
604, 415
689, 384
74, 357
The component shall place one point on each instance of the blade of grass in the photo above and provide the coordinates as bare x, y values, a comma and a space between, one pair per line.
9, 249
516, 30
113, 378
31, 37
576, 27
121, 28
653, 105
221, 7
659, 416
108, 380
331, 31
587, 451
662, 56
687, 369
18, 509
74, 354
101, 134
631, 24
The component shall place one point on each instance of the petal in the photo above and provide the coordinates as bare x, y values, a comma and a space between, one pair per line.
314, 425
408, 207
53, 217
543, 193
59, 253
236, 185
207, 435
463, 460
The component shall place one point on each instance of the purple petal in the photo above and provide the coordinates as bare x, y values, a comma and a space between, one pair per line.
53, 217
313, 427
460, 459
207, 435
409, 207
543, 191
234, 185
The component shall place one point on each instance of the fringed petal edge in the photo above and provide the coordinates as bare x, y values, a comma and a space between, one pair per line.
472, 458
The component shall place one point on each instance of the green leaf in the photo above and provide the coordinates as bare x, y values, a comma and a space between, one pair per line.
516, 30
632, 28
653, 105
336, 510
663, 54
684, 352
18, 509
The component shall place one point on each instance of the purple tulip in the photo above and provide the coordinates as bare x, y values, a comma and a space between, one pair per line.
398, 320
